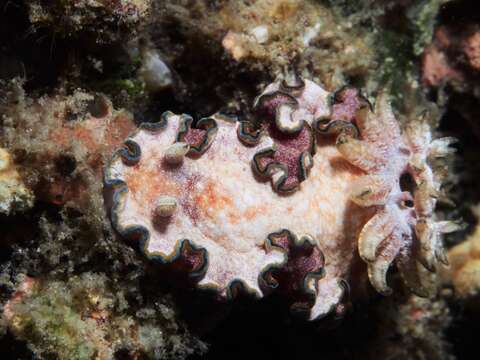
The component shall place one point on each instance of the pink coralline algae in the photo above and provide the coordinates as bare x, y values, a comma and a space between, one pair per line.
196, 196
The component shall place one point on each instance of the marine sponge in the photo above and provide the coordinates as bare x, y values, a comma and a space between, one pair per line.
195, 194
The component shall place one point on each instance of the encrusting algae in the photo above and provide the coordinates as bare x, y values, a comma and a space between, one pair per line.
464, 271
89, 318
14, 195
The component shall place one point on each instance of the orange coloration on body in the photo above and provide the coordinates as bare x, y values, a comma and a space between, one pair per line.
211, 200
300, 216
153, 180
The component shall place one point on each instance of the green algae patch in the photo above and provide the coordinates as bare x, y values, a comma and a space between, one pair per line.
86, 318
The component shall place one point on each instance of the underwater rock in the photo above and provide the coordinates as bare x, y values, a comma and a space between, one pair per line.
451, 62
464, 270
89, 318
440, 67
14, 196
263, 35
410, 327
61, 142
106, 20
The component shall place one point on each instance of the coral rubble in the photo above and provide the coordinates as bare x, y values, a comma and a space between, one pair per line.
412, 328
60, 144
13, 193
451, 56
69, 18
270, 35
76, 134
450, 66
87, 318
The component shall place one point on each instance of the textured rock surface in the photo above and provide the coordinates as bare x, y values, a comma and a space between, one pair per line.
463, 273
14, 196
86, 318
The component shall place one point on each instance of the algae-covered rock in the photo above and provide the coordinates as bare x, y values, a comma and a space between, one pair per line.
464, 271
14, 196
62, 142
88, 317
103, 20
